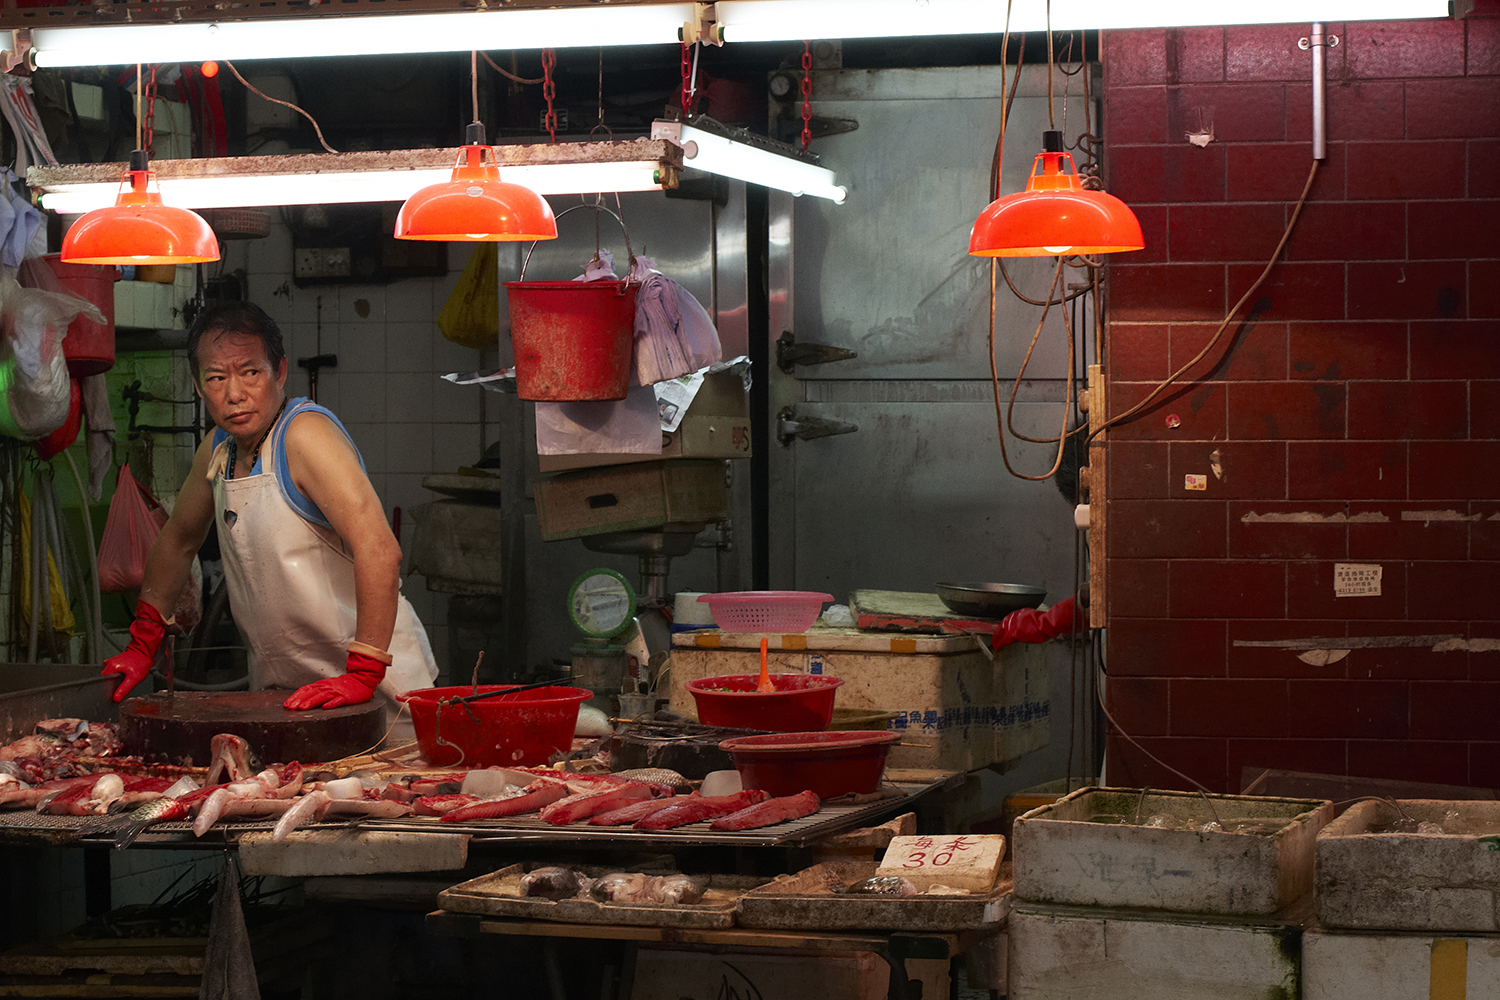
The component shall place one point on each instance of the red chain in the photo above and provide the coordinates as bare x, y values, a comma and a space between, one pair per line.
687, 76
148, 97
806, 95
549, 91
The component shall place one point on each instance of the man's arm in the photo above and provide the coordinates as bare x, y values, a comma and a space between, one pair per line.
167, 570
326, 469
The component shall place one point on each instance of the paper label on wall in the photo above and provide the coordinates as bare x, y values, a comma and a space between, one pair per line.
1356, 579
1194, 481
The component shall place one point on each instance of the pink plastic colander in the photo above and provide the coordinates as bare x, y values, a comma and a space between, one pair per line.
766, 610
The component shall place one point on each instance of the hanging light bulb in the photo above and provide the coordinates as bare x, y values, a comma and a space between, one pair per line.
138, 228
1055, 214
475, 205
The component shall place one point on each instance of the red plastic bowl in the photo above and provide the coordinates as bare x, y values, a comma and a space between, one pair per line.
512, 730
800, 703
830, 764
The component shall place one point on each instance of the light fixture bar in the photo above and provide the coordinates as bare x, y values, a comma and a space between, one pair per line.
718, 154
337, 178
782, 20
255, 34
364, 35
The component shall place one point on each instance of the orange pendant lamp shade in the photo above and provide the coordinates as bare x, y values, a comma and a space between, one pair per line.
476, 206
1055, 215
138, 228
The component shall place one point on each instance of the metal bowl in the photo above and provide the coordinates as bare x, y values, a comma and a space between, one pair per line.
988, 600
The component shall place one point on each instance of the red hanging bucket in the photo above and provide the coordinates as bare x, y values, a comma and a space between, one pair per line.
89, 346
572, 338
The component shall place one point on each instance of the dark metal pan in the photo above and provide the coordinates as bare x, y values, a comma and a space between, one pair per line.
988, 600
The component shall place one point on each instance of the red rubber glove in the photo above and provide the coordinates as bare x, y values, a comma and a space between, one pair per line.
1030, 625
362, 675
146, 634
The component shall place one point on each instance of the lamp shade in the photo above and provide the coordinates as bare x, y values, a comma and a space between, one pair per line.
139, 229
476, 206
1055, 215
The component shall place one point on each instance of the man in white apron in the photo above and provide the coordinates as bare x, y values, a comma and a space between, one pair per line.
312, 567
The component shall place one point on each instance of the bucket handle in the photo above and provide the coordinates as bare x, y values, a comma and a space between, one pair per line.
597, 206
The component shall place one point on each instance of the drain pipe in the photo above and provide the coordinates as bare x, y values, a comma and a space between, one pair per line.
1318, 42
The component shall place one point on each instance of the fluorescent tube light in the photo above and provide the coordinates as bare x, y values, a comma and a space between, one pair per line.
719, 154
280, 37
326, 179
788, 20
360, 35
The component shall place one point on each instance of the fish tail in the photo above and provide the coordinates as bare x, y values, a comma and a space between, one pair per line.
130, 832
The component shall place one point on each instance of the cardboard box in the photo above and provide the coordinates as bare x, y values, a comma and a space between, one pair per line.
716, 425
628, 497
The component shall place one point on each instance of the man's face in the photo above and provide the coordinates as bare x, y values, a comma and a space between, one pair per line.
238, 385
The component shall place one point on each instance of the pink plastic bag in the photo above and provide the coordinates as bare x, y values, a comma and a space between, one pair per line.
135, 519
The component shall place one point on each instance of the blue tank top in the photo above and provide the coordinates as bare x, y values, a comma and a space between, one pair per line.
294, 497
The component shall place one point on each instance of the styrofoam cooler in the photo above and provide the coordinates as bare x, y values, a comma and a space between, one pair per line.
956, 709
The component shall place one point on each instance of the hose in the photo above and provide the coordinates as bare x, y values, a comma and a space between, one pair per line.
96, 618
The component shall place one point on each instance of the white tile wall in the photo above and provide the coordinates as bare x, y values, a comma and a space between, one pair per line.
406, 422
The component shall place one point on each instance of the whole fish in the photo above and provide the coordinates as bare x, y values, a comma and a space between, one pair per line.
635, 811
665, 777
163, 810
308, 809
552, 883
542, 792
769, 812
586, 804
694, 808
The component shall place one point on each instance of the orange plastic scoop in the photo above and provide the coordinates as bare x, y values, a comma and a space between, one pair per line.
765, 677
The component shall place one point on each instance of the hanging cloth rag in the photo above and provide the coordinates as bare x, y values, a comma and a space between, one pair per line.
228, 962
20, 112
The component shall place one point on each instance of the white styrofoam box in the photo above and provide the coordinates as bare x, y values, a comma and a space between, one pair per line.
1343, 965
956, 709
1410, 881
1061, 953
1093, 848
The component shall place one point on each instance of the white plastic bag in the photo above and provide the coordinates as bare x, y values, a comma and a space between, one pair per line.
35, 322
674, 335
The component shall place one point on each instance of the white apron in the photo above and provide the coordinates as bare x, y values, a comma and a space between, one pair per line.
291, 590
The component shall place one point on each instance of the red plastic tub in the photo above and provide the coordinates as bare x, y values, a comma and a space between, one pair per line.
89, 347
512, 730
572, 339
800, 703
830, 764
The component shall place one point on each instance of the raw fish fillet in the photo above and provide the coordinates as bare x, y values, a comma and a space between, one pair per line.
436, 805
631, 813
769, 812
582, 806
694, 808
542, 792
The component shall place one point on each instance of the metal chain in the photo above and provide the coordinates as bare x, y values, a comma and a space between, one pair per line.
806, 95
549, 91
150, 99
686, 96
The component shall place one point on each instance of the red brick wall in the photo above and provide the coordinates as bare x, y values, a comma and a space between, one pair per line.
1366, 393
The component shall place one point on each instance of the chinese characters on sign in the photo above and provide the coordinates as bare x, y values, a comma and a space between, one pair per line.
1356, 579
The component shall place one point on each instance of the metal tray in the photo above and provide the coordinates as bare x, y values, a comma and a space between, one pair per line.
498, 894
989, 600
802, 902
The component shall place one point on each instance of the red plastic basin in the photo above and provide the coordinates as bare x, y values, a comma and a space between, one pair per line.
830, 764
800, 703
511, 730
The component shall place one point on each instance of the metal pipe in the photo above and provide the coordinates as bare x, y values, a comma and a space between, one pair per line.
1319, 43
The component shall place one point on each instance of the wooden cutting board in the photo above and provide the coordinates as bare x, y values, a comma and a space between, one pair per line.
898, 611
178, 729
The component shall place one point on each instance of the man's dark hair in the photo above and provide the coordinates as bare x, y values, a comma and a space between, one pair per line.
236, 317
